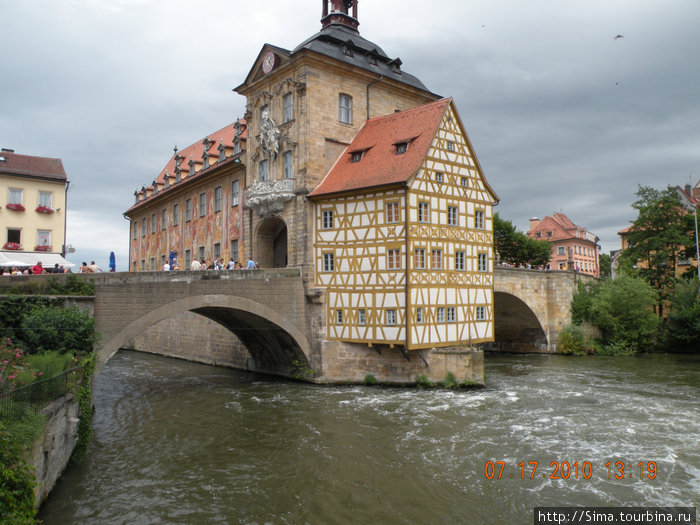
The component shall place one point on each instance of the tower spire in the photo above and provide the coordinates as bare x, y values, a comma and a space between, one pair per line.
340, 13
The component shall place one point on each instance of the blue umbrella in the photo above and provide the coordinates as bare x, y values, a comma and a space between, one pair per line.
112, 262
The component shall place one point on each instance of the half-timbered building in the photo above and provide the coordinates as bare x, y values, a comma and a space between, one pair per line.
403, 234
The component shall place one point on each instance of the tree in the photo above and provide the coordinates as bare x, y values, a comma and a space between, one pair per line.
622, 309
683, 328
516, 248
659, 237
604, 265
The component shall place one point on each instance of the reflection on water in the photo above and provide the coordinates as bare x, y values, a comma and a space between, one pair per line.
179, 442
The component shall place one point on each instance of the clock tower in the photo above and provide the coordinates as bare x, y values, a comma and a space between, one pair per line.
303, 107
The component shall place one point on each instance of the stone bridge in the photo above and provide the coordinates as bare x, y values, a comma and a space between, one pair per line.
279, 329
531, 307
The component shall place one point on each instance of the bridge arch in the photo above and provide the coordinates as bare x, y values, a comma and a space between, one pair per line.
272, 340
517, 326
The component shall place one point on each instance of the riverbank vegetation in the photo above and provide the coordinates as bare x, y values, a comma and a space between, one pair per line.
50, 354
652, 303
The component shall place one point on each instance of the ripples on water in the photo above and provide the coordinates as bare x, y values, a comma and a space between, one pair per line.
178, 442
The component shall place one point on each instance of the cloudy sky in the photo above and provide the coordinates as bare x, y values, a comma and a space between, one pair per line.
563, 116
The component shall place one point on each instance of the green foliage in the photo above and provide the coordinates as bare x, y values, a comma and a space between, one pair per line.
49, 364
572, 340
72, 285
61, 329
581, 303
660, 236
16, 484
622, 309
14, 307
11, 365
422, 381
450, 381
604, 264
300, 370
516, 248
370, 380
683, 328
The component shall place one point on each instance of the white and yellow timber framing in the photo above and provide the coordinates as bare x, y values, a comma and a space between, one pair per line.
448, 305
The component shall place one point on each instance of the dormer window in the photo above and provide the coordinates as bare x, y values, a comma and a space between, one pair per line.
237, 146
356, 156
372, 59
348, 50
222, 151
191, 164
401, 148
166, 179
396, 65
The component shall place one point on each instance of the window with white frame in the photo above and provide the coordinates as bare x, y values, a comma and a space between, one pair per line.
419, 258
483, 262
459, 261
423, 212
361, 317
262, 170
202, 204
452, 216
481, 313
419, 315
327, 219
479, 219
43, 237
328, 262
235, 190
393, 259
338, 317
287, 114
440, 314
391, 317
436, 259
345, 108
561, 250
218, 194
451, 314
45, 198
15, 196
450, 146
287, 164
392, 212
463, 181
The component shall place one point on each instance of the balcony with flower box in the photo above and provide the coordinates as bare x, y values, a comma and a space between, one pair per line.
12, 246
14, 206
44, 209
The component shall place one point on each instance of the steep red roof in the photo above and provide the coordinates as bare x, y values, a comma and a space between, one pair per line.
195, 152
377, 140
12, 163
562, 228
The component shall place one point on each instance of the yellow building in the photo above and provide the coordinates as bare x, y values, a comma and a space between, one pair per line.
33, 210
404, 242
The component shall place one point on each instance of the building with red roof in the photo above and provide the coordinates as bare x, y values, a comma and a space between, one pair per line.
361, 177
33, 194
573, 246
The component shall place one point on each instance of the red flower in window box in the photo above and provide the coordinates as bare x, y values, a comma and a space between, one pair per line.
14, 206
12, 246
43, 209
42, 248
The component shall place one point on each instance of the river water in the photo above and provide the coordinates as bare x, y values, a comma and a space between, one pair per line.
185, 443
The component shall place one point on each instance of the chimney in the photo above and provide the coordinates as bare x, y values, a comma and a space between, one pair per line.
534, 223
688, 190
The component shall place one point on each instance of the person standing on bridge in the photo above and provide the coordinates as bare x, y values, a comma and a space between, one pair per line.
252, 265
195, 265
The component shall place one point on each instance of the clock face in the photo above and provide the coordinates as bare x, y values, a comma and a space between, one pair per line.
268, 62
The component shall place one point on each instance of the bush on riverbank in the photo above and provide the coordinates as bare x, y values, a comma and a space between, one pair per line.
16, 483
683, 326
62, 330
623, 310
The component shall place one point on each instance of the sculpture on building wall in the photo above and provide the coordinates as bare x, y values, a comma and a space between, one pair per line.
267, 198
269, 135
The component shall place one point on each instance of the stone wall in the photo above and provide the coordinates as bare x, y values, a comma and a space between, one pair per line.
50, 453
194, 338
348, 362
